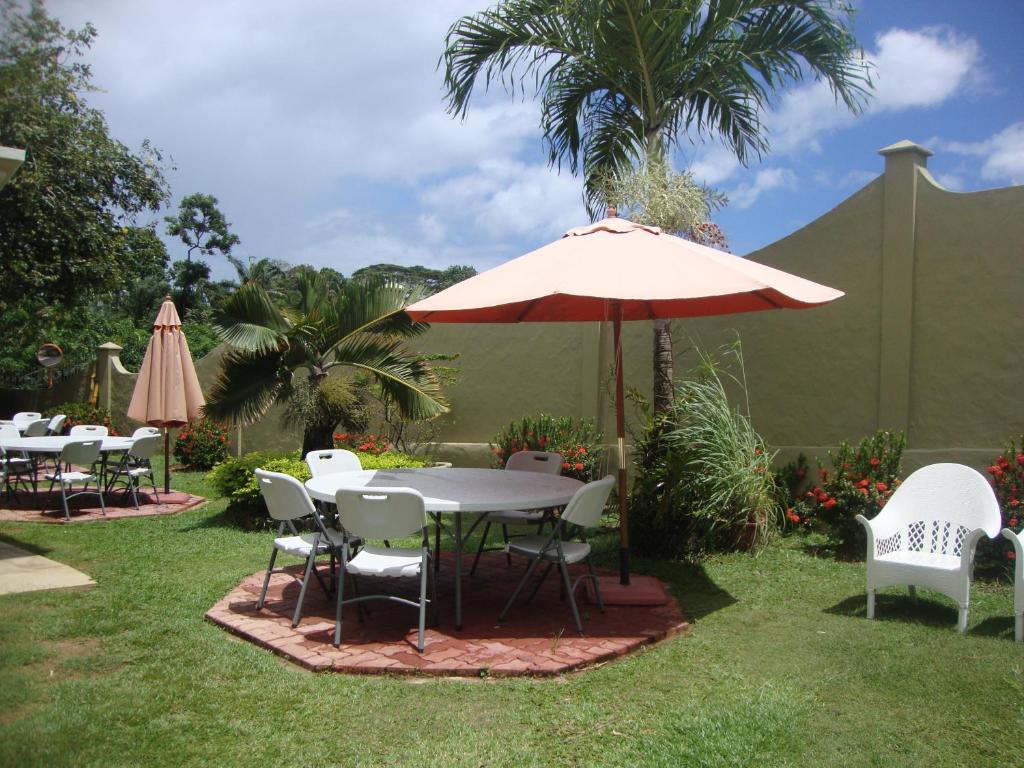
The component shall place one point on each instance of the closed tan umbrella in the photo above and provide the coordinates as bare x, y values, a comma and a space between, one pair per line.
618, 270
167, 392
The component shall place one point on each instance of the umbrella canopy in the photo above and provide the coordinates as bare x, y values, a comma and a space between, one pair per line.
618, 270
167, 392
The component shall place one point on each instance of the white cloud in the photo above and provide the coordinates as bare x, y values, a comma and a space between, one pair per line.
1002, 155
745, 195
713, 164
951, 181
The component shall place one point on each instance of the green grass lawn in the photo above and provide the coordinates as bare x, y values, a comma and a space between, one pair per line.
782, 668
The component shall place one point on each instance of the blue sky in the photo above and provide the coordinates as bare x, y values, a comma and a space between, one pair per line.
321, 126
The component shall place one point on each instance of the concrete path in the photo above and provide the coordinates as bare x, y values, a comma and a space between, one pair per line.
21, 571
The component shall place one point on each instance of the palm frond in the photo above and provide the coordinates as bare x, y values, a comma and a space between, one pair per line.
248, 384
248, 319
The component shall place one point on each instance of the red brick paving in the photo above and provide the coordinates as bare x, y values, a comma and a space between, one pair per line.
45, 507
537, 638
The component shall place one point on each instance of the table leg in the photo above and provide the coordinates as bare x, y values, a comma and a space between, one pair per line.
458, 570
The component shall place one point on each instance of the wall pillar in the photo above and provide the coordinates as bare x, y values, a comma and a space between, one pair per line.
106, 355
899, 215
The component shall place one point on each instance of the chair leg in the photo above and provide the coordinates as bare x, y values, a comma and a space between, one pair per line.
536, 586
305, 583
962, 623
436, 617
567, 584
480, 549
519, 588
424, 568
266, 579
1018, 627
437, 544
342, 572
912, 591
504, 536
871, 603
64, 501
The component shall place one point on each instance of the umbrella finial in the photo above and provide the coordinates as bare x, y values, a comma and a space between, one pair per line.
613, 211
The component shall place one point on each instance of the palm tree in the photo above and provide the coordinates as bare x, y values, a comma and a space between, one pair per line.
622, 81
326, 323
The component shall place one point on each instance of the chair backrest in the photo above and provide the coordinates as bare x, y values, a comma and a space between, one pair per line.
381, 513
144, 447
587, 504
84, 453
56, 424
89, 430
22, 418
548, 462
144, 432
944, 493
36, 428
329, 462
286, 497
9, 430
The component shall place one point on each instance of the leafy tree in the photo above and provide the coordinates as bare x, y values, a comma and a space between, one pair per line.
205, 231
66, 216
326, 324
430, 280
624, 80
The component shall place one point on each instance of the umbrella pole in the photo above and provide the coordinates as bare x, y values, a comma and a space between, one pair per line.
167, 461
620, 430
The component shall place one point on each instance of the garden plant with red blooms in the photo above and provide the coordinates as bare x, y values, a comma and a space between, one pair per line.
201, 444
859, 481
577, 441
1006, 472
362, 443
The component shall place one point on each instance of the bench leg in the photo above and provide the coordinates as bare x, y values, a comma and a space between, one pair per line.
871, 603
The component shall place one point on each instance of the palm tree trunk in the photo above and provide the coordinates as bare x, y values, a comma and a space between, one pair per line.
317, 437
663, 390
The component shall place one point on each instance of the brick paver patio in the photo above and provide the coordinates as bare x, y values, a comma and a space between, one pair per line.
538, 638
44, 507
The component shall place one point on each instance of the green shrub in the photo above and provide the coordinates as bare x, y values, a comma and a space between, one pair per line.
82, 413
235, 479
859, 481
704, 480
995, 556
577, 440
201, 444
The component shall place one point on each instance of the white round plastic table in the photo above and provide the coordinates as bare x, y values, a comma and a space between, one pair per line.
457, 491
54, 444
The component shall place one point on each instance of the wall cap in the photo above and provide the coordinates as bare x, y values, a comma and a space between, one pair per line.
905, 146
111, 345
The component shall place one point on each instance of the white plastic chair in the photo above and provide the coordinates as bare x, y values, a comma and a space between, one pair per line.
36, 428
145, 432
385, 513
583, 511
56, 424
18, 466
82, 453
135, 465
926, 534
22, 418
89, 430
287, 502
331, 461
1018, 584
545, 462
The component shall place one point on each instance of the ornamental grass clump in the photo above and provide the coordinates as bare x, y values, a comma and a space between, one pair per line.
704, 480
1006, 472
576, 439
859, 481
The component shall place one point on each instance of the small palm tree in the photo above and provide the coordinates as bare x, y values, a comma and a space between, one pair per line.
328, 322
622, 81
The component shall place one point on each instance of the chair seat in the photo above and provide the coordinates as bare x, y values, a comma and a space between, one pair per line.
516, 517
384, 561
531, 546
138, 472
915, 559
302, 545
67, 478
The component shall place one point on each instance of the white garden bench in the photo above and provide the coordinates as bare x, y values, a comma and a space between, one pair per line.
926, 534
1018, 584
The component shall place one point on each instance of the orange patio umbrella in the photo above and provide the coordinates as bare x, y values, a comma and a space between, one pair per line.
167, 392
618, 270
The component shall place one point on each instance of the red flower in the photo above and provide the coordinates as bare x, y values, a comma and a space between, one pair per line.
992, 470
863, 483
864, 491
830, 503
823, 473
874, 461
1010, 555
1012, 522
565, 465
1020, 459
1014, 502
880, 487
579, 466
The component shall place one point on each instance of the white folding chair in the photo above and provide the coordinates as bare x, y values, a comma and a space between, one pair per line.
145, 432
89, 430
545, 462
288, 502
16, 465
582, 512
332, 461
384, 513
926, 534
135, 465
82, 453
22, 418
56, 424
36, 428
